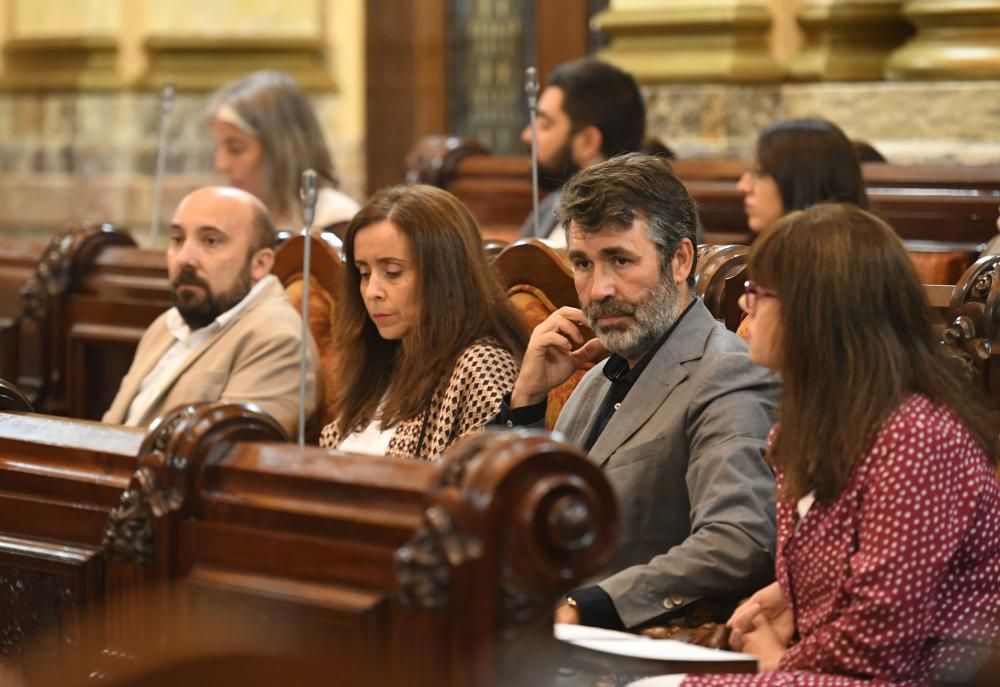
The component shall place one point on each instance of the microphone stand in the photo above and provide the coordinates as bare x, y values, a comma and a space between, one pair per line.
166, 108
531, 91
308, 195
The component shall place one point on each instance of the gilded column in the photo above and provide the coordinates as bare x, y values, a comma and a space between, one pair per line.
955, 39
690, 40
848, 40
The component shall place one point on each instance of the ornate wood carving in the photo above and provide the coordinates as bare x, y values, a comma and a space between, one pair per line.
974, 334
33, 601
434, 160
43, 587
423, 567
719, 277
562, 528
11, 398
41, 331
172, 455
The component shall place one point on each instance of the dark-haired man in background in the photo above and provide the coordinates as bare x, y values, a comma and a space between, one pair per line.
232, 335
589, 111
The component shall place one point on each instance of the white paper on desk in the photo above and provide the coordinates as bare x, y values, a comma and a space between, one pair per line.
637, 646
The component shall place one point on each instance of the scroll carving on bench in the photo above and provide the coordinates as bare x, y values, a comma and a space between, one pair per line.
974, 332
64, 482
41, 334
170, 467
719, 275
389, 571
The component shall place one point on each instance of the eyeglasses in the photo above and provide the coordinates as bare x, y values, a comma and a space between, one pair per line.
751, 292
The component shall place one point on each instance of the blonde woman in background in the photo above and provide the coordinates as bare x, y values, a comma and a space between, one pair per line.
266, 134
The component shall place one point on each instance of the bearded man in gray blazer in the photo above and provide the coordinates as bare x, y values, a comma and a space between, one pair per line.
677, 416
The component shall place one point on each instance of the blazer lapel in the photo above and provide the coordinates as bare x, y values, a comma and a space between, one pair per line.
664, 372
268, 292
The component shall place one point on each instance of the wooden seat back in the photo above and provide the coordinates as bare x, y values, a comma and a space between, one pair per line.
974, 330
44, 324
324, 284
17, 266
948, 211
719, 278
394, 571
539, 281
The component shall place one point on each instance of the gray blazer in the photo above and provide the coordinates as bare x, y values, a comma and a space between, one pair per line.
684, 453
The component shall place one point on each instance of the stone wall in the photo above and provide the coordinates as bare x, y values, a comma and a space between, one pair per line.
950, 122
66, 157
80, 98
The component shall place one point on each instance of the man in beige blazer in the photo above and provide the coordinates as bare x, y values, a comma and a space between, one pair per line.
232, 335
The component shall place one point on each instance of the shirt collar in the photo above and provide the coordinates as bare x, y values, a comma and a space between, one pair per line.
617, 369
180, 330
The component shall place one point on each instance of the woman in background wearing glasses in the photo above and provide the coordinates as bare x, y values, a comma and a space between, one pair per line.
888, 557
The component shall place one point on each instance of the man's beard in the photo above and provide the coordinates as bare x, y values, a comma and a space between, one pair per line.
552, 176
651, 318
200, 308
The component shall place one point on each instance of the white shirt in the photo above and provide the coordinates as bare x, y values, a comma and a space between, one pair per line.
372, 440
186, 342
333, 206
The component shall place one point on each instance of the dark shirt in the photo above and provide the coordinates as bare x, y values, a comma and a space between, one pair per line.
622, 380
616, 370
593, 603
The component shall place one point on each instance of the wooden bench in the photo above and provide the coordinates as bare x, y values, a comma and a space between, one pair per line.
393, 571
973, 332
17, 265
76, 315
939, 210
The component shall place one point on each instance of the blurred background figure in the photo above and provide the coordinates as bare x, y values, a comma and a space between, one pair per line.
266, 134
797, 164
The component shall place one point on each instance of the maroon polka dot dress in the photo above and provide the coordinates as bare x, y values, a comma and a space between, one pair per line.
899, 578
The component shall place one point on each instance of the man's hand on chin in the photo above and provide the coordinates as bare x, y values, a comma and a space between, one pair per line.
567, 615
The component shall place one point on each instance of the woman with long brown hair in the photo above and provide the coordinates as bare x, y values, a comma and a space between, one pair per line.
888, 558
427, 341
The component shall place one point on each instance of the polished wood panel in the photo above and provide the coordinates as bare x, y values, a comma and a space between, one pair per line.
946, 210
406, 82
395, 571
562, 33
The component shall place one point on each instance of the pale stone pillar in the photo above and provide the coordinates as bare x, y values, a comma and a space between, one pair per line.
61, 44
848, 40
955, 39
690, 40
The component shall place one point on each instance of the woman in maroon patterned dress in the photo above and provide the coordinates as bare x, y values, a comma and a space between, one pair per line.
888, 559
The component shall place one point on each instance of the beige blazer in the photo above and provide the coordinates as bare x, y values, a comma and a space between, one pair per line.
253, 359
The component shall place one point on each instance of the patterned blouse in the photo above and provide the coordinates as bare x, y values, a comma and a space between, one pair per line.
898, 579
483, 373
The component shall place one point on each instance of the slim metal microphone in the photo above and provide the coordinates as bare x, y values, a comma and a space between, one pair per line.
308, 194
166, 108
531, 91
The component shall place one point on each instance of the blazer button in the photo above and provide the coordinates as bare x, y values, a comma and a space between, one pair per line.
510, 423
668, 603
677, 599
